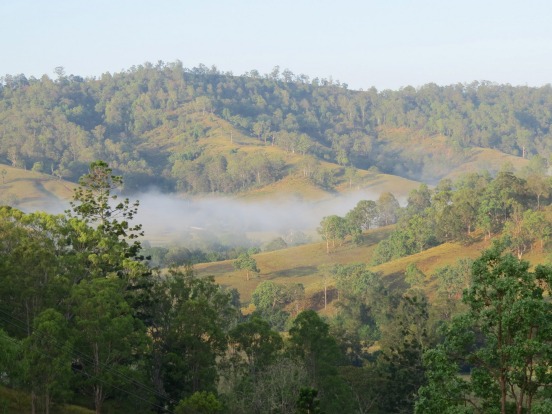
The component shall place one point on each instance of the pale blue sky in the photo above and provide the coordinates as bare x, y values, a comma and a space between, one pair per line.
381, 43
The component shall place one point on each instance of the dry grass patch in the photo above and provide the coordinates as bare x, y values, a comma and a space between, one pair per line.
481, 159
29, 190
293, 265
292, 186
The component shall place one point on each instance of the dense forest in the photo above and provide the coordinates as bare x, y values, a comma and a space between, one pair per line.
146, 122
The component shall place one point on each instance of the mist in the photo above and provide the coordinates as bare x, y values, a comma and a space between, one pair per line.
171, 218
175, 219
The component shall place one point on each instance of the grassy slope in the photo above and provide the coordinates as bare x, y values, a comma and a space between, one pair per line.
29, 190
301, 264
293, 265
478, 159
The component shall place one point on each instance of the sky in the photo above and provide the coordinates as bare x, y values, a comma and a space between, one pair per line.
387, 44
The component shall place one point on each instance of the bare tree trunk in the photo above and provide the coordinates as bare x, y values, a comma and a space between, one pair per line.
33, 402
98, 398
47, 402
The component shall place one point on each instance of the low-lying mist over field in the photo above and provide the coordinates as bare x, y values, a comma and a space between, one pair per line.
191, 221
167, 218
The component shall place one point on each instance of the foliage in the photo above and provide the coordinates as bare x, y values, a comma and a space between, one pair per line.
404, 339
308, 402
453, 210
276, 244
270, 300
107, 336
310, 339
47, 365
257, 341
275, 389
247, 263
84, 319
332, 228
64, 124
363, 303
96, 204
504, 339
199, 403
191, 317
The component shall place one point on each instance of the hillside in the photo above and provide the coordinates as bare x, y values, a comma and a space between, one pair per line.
201, 131
292, 265
302, 264
30, 191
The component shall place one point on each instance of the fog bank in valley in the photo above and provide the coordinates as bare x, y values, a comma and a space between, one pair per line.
171, 218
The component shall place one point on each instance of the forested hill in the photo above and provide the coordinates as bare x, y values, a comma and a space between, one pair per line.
152, 122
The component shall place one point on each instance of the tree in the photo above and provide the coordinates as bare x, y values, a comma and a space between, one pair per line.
414, 276
419, 200
103, 238
310, 339
351, 174
419, 231
33, 267
276, 388
332, 228
452, 280
388, 209
465, 207
258, 342
361, 218
276, 244
201, 402
363, 214
327, 278
9, 357
247, 263
47, 359
404, 340
308, 403
270, 299
304, 144
540, 186
96, 204
362, 308
107, 336
537, 226
189, 328
505, 338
